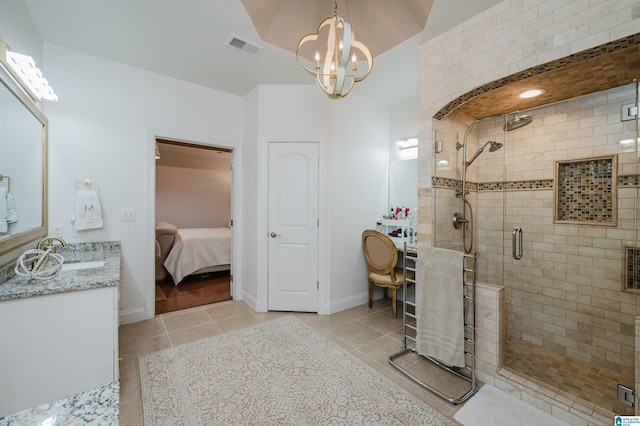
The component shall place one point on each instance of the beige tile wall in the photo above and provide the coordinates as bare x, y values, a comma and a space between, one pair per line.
574, 264
565, 293
490, 352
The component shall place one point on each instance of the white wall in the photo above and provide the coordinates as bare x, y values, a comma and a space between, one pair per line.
18, 31
353, 134
102, 128
285, 113
250, 197
403, 125
194, 197
357, 183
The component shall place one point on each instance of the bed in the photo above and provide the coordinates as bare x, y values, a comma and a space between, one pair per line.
197, 251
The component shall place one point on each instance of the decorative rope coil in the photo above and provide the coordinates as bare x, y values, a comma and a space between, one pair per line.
45, 265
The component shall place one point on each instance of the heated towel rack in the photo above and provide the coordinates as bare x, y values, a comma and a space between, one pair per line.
409, 309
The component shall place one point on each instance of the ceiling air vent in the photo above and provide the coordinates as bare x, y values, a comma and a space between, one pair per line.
243, 46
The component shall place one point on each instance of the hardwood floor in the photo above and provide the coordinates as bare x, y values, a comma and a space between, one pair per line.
195, 290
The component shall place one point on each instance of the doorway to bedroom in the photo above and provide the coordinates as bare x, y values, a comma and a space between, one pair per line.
194, 185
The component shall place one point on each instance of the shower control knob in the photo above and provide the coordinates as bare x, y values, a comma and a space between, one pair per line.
458, 221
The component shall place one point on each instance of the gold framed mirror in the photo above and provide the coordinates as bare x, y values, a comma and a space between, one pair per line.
23, 166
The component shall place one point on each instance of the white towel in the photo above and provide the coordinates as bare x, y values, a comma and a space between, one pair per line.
440, 307
87, 213
12, 212
4, 213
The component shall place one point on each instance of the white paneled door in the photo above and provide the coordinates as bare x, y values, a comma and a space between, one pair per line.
293, 226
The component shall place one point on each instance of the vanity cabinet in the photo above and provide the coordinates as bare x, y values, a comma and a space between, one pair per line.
57, 345
59, 337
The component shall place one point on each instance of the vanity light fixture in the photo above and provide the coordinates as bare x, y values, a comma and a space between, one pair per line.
532, 93
407, 144
337, 56
23, 69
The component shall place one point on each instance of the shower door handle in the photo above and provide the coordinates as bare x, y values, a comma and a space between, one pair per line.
516, 243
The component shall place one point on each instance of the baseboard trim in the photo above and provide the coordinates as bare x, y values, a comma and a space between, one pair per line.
346, 303
132, 315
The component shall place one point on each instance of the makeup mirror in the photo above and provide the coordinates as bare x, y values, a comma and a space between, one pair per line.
403, 184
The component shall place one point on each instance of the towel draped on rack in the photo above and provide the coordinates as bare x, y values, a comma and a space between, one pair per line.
8, 210
440, 313
87, 213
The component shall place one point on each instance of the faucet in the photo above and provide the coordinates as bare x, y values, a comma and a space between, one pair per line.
47, 243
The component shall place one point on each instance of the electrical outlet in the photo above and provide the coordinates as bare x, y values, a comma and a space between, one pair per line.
128, 214
57, 230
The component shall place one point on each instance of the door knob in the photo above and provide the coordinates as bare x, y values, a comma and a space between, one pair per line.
274, 235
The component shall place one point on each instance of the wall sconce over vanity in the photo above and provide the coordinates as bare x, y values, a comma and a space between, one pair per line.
24, 71
408, 148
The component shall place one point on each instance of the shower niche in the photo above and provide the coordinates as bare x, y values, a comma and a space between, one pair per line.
586, 191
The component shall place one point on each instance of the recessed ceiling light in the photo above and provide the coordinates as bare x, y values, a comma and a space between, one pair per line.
530, 93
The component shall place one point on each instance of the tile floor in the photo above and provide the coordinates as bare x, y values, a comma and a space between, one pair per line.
370, 334
588, 382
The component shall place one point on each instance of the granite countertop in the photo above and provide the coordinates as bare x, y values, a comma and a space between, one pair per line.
97, 406
16, 287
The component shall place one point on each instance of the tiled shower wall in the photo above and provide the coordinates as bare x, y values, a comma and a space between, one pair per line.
566, 291
505, 39
571, 285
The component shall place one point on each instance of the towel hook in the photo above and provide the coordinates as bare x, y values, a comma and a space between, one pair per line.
81, 183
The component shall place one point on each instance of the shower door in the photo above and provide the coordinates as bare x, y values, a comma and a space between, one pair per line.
569, 199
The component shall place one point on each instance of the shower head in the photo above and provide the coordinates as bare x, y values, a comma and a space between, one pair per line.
494, 147
517, 122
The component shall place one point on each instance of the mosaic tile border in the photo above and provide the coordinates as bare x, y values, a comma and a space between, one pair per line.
522, 185
517, 185
448, 183
573, 59
627, 181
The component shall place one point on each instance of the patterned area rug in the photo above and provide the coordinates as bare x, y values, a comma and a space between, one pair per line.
279, 372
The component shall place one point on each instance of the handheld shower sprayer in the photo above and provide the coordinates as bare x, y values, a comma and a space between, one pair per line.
460, 219
494, 147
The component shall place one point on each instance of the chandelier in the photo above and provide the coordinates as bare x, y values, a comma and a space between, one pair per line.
338, 58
